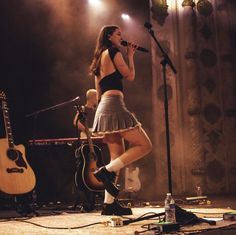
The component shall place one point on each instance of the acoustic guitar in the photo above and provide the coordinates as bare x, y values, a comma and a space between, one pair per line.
16, 176
88, 159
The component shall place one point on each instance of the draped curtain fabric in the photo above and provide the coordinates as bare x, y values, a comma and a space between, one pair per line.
198, 36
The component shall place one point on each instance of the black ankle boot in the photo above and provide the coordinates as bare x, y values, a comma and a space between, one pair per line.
115, 209
103, 175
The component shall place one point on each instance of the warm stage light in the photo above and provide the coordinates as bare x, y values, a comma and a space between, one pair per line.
95, 2
125, 16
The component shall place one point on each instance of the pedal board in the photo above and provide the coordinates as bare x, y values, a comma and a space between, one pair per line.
229, 216
196, 200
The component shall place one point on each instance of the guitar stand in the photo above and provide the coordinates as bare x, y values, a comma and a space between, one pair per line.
26, 209
86, 201
129, 200
25, 205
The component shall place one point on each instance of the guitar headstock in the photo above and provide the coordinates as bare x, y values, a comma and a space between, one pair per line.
3, 95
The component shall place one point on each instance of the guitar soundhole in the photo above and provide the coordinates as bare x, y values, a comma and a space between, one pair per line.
12, 154
16, 155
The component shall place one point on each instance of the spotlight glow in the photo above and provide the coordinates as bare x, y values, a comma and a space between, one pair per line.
125, 16
95, 3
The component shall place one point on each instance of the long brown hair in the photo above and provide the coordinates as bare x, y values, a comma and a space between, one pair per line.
102, 44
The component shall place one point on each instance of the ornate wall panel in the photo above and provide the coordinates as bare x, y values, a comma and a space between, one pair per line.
211, 109
196, 35
225, 20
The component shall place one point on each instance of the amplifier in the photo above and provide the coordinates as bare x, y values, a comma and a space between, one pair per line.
54, 164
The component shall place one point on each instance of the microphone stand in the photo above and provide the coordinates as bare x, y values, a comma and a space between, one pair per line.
35, 116
76, 99
54, 107
164, 62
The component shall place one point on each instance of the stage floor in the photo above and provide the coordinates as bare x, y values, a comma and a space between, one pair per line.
65, 220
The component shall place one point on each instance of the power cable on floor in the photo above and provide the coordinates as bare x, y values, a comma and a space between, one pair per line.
49, 227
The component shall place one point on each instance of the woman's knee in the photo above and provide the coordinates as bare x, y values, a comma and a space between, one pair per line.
138, 137
144, 144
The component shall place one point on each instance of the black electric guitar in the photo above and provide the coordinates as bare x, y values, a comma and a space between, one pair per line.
88, 159
16, 176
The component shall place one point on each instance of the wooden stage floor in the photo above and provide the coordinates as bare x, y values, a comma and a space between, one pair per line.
58, 220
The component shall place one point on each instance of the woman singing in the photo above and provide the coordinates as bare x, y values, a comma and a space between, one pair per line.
112, 118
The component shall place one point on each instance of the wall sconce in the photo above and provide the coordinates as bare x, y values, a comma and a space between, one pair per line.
189, 3
204, 7
159, 11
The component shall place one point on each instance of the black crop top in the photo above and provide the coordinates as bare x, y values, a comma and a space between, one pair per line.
112, 81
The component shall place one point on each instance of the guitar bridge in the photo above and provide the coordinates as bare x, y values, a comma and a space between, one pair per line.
15, 170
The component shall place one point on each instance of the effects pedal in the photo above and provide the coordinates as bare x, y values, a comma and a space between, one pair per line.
164, 227
116, 222
229, 216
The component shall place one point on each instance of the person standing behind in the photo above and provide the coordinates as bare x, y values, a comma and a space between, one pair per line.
87, 197
112, 118
90, 109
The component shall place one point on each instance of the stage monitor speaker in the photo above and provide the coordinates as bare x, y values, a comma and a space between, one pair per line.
54, 167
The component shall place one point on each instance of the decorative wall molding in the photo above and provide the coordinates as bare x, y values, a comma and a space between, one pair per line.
202, 100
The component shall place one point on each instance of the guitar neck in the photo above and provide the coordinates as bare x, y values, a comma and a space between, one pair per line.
83, 119
7, 123
90, 143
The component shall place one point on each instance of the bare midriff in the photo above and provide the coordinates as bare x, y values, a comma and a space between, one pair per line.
113, 92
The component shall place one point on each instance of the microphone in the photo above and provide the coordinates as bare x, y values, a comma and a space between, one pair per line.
148, 25
76, 99
125, 43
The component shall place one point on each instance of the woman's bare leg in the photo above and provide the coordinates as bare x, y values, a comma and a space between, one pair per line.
140, 145
116, 147
115, 144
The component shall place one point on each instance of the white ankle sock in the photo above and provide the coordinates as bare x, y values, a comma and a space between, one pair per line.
109, 199
115, 165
